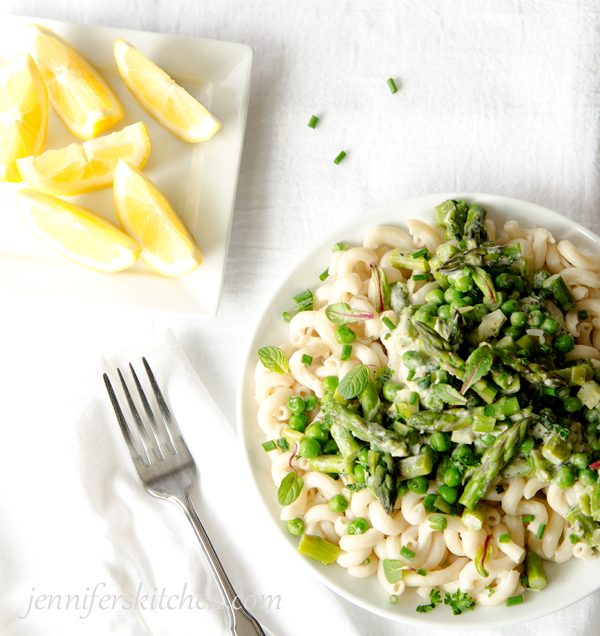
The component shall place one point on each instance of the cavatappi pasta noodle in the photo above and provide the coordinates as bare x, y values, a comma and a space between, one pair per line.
533, 391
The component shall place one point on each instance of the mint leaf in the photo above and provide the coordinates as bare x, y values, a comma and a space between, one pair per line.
274, 359
289, 489
354, 382
392, 568
448, 394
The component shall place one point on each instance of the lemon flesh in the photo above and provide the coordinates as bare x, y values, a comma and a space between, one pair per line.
168, 102
79, 94
145, 214
76, 232
79, 168
23, 114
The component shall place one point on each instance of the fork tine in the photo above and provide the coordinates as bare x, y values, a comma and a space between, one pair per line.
148, 446
150, 413
170, 423
122, 421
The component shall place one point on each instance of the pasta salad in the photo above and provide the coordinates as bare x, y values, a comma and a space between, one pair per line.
434, 418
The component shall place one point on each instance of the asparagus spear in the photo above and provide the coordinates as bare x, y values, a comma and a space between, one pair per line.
440, 350
383, 478
375, 434
483, 256
536, 576
370, 403
494, 459
560, 291
349, 447
530, 371
475, 231
328, 464
416, 466
451, 215
444, 421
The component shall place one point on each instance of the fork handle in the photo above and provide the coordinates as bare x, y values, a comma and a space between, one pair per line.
241, 622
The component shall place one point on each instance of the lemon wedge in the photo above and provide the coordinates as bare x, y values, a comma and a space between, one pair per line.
76, 232
145, 214
23, 114
79, 94
168, 102
78, 168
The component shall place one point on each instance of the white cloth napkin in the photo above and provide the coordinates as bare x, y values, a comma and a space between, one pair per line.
82, 523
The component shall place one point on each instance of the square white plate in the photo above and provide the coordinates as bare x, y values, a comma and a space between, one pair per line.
198, 179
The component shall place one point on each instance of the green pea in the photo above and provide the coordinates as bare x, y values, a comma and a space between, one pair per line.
296, 404
573, 404
463, 453
592, 416
418, 485
363, 456
440, 441
464, 282
448, 493
330, 383
295, 526
504, 281
429, 502
358, 526
309, 447
435, 296
359, 473
401, 489
452, 477
444, 312
421, 315
338, 503
311, 402
316, 431
430, 308
298, 422
551, 326
565, 477
580, 460
345, 335
562, 393
587, 476
535, 318
451, 295
564, 343
514, 332
390, 390
518, 319
509, 307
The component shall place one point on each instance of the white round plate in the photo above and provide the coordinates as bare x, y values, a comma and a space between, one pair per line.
568, 582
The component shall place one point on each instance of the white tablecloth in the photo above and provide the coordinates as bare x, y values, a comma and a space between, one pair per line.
495, 96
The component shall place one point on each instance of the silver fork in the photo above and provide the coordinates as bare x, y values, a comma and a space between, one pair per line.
167, 470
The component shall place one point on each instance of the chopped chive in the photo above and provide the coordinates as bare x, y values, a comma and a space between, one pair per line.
540, 533
303, 297
422, 572
388, 323
574, 538
287, 315
420, 276
324, 275
528, 518
340, 246
392, 85
312, 123
411, 374
414, 397
438, 522
346, 352
306, 359
422, 252
408, 554
504, 538
340, 157
524, 581
269, 446
582, 314
514, 600
283, 444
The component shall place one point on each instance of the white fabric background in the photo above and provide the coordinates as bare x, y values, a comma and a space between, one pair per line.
496, 96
